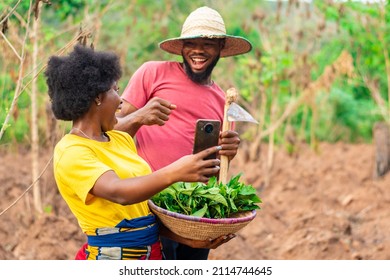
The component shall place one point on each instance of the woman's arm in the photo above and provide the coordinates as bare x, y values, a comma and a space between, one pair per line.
190, 168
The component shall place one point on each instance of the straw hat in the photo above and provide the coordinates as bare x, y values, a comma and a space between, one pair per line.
205, 22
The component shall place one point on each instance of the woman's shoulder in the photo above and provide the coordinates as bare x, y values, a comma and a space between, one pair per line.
120, 135
121, 139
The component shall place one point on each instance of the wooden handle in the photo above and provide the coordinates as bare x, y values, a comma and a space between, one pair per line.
224, 159
231, 96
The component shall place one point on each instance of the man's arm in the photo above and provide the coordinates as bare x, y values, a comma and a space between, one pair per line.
128, 121
156, 111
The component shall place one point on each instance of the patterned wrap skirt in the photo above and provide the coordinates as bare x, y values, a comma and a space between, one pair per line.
135, 239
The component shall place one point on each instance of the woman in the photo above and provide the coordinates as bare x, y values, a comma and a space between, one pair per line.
97, 170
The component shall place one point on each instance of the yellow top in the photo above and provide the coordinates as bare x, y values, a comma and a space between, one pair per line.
79, 162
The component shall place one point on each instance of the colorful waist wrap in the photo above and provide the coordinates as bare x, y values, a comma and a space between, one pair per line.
142, 231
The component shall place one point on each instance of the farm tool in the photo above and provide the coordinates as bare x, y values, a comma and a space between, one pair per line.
232, 113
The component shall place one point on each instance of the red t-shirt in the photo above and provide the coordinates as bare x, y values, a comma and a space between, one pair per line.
161, 145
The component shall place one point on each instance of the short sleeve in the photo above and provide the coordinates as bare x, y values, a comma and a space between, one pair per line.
78, 168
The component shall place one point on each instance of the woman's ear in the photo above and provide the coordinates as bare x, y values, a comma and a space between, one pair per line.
98, 101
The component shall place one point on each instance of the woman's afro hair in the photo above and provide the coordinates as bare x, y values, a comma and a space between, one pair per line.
74, 81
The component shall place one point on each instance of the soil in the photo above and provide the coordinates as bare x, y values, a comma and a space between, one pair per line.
317, 205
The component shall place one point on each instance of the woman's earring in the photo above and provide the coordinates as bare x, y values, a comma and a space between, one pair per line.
98, 103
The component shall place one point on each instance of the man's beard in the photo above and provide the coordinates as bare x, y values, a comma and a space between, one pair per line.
200, 78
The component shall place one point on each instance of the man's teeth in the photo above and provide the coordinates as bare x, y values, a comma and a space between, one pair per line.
199, 59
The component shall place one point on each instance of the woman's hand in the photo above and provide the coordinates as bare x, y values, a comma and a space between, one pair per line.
193, 168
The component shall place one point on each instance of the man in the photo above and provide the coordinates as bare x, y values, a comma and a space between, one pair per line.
163, 100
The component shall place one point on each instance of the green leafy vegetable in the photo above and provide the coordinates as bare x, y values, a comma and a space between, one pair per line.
211, 200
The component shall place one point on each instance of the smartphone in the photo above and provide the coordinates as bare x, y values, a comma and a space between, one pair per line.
206, 136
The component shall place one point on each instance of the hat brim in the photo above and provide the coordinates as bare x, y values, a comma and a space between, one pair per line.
234, 45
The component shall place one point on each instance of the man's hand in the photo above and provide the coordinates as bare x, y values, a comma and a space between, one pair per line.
229, 140
209, 244
156, 111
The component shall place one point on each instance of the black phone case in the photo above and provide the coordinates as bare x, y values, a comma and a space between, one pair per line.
204, 138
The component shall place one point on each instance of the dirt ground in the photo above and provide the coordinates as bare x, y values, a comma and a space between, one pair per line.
316, 205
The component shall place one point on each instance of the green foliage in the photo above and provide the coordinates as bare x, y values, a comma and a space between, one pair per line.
211, 200
66, 8
18, 130
365, 36
23, 5
356, 117
6, 86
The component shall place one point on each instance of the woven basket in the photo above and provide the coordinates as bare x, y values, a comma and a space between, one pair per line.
197, 228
